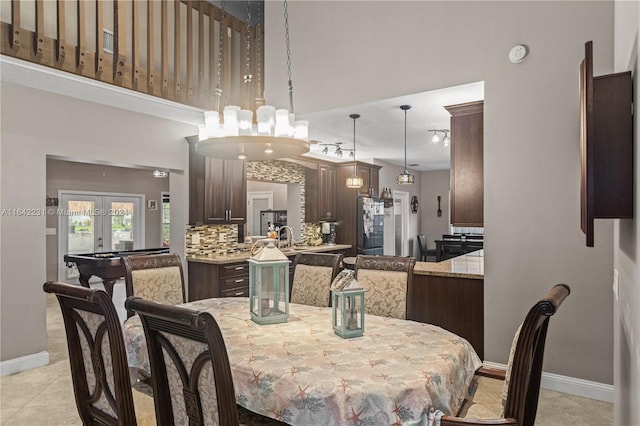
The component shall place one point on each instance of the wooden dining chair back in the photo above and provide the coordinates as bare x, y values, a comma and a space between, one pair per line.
312, 277
426, 254
524, 370
157, 277
99, 370
386, 279
473, 242
190, 370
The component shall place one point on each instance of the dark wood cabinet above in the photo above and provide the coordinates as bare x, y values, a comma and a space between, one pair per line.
217, 190
467, 173
320, 193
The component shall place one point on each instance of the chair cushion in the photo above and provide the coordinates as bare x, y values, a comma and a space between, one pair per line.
311, 285
507, 376
386, 294
162, 285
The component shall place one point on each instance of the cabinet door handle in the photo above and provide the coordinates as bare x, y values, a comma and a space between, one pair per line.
239, 268
216, 218
239, 281
239, 293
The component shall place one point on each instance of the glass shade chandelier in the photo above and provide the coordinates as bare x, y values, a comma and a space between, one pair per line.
233, 134
354, 181
405, 178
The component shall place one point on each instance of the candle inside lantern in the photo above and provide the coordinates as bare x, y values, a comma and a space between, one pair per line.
265, 307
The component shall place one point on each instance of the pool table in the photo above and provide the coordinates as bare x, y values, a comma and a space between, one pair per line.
106, 265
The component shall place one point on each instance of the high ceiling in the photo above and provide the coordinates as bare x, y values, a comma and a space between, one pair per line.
380, 128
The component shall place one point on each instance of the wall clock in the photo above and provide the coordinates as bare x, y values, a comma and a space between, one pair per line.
414, 204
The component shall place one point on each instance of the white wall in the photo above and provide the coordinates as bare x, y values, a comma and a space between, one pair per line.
36, 124
626, 319
351, 52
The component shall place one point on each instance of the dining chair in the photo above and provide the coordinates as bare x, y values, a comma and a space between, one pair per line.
386, 279
425, 253
521, 378
157, 277
191, 375
473, 242
312, 277
99, 370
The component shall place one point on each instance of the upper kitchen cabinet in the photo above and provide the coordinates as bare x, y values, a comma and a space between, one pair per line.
467, 193
370, 175
217, 190
320, 193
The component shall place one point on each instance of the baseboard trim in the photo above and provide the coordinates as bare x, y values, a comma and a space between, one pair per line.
570, 385
24, 363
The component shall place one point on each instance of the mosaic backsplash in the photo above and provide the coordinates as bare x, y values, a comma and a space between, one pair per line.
210, 240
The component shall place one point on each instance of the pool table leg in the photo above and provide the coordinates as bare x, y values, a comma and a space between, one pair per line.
108, 286
84, 280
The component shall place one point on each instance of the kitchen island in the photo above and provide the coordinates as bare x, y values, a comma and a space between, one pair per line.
450, 294
227, 275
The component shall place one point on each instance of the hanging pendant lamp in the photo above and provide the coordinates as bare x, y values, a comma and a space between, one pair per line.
354, 181
405, 178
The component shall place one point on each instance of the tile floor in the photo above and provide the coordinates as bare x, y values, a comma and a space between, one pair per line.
44, 396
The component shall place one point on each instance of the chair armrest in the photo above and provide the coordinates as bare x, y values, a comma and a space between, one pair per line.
459, 421
492, 373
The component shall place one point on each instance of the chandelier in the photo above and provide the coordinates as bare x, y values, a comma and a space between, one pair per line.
354, 181
405, 178
275, 132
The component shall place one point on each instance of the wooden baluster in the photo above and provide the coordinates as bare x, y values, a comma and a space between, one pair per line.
151, 65
189, 53
38, 42
201, 61
60, 31
135, 52
119, 42
177, 72
99, 41
15, 24
164, 48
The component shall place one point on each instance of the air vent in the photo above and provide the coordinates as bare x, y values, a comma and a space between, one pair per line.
107, 41
414, 164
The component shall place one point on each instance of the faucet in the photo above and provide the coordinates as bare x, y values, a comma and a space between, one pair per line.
289, 233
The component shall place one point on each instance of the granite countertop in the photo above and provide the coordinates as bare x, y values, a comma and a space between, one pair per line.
221, 259
470, 265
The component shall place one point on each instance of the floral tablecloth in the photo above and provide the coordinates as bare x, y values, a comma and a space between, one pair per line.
301, 373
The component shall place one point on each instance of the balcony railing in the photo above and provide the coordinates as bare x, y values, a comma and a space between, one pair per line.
167, 48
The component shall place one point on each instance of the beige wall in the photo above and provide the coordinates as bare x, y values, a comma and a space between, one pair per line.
37, 124
377, 50
626, 319
434, 183
73, 176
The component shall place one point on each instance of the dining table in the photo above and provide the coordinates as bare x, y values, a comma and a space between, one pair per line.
301, 373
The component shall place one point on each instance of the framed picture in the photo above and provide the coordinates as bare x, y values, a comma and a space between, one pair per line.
152, 204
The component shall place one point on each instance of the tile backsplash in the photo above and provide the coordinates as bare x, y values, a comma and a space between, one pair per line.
209, 240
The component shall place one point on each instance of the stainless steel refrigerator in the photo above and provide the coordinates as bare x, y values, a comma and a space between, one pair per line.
370, 222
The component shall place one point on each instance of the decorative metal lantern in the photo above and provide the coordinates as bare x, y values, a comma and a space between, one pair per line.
269, 284
347, 305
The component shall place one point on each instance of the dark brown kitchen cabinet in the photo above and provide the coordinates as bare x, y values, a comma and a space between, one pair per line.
453, 303
217, 190
208, 280
320, 193
467, 175
370, 177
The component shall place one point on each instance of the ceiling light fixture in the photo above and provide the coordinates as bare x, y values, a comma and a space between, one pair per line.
160, 173
405, 178
435, 138
276, 134
354, 181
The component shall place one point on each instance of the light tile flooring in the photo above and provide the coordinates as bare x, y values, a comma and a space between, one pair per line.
44, 396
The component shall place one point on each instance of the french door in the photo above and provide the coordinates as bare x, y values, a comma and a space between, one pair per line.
97, 222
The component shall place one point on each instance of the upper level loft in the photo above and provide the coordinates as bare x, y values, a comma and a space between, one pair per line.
190, 52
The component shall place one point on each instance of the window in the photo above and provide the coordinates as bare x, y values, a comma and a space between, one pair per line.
166, 220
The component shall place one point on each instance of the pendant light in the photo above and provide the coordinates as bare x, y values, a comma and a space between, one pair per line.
354, 181
405, 178
276, 134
